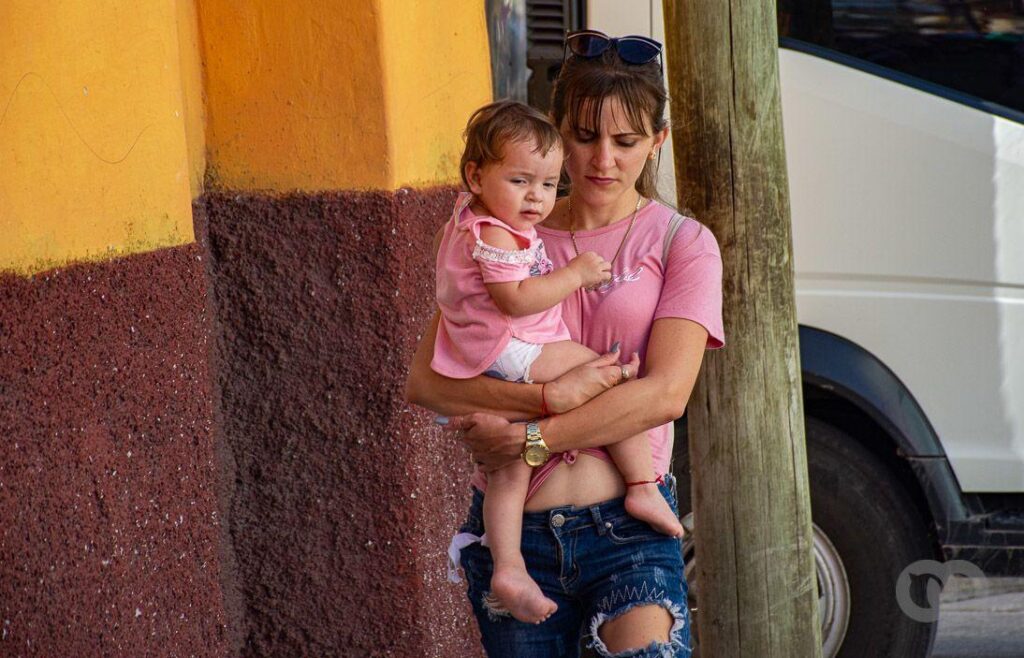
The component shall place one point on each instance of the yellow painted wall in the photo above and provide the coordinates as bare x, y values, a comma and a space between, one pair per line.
290, 85
437, 72
93, 153
361, 94
190, 51
112, 111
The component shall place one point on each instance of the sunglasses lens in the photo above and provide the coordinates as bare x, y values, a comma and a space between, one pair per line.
588, 45
637, 51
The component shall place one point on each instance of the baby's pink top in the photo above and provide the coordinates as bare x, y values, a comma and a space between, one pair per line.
472, 331
643, 289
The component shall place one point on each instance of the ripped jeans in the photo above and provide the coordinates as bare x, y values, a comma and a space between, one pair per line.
596, 563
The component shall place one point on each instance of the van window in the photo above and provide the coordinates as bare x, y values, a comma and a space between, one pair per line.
974, 47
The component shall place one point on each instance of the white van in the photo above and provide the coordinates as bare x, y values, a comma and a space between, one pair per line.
904, 130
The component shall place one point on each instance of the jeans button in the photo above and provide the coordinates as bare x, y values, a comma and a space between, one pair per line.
557, 521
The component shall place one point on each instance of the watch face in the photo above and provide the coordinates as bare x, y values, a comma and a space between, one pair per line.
536, 455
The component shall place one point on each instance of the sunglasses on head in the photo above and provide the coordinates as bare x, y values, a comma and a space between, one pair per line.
632, 49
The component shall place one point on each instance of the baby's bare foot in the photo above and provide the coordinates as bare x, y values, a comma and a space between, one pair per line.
645, 502
517, 593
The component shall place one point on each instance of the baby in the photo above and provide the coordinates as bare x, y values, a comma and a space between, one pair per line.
500, 300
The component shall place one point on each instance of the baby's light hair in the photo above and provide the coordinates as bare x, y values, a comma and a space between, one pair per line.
493, 126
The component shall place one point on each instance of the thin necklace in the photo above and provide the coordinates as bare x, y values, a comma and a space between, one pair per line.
572, 227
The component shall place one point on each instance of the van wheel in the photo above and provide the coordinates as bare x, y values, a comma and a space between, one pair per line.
866, 531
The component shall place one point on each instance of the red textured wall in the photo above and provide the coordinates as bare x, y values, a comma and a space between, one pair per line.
108, 517
342, 500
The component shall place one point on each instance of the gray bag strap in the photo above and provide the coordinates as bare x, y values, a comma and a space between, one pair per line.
673, 226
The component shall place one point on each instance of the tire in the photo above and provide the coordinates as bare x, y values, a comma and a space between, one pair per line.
866, 531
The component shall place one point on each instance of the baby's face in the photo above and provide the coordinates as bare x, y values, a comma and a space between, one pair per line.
519, 190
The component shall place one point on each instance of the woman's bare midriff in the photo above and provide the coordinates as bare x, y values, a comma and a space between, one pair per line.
588, 481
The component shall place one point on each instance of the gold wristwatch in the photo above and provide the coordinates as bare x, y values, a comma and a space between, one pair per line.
535, 452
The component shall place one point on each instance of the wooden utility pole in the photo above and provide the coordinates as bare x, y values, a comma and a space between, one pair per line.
758, 590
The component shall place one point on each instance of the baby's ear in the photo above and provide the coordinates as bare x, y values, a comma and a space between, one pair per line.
473, 177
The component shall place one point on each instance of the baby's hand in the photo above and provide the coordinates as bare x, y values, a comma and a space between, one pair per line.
591, 268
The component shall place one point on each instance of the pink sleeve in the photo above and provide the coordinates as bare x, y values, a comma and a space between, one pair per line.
692, 289
499, 265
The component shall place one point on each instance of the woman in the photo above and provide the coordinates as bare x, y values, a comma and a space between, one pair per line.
614, 579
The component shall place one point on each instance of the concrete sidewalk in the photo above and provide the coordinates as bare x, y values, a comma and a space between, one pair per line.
981, 618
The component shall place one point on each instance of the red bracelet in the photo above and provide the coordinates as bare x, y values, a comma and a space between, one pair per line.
543, 402
658, 480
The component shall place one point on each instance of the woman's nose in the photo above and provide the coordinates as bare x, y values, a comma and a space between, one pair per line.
603, 155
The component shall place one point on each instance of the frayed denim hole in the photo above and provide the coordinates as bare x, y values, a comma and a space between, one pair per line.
669, 492
495, 612
671, 649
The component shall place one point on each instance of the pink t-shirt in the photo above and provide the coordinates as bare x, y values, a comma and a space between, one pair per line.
643, 289
473, 331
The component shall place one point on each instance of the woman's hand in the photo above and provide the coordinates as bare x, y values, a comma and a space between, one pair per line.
493, 442
589, 380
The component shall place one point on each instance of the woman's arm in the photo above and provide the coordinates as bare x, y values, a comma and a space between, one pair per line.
674, 354
497, 397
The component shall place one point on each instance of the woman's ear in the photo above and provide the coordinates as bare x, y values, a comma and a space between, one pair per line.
659, 138
473, 177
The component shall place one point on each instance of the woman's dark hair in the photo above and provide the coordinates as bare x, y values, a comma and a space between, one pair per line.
583, 85
494, 125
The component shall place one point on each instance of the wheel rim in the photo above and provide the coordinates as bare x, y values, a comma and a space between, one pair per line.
833, 589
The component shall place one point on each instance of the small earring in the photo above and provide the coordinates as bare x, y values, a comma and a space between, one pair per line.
651, 156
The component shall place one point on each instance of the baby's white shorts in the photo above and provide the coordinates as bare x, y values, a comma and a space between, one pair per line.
513, 364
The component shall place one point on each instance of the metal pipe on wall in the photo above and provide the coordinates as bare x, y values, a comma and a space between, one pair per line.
506, 27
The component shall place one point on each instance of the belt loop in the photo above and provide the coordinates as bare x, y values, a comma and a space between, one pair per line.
595, 511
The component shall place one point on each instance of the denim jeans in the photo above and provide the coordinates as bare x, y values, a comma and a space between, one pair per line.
596, 563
